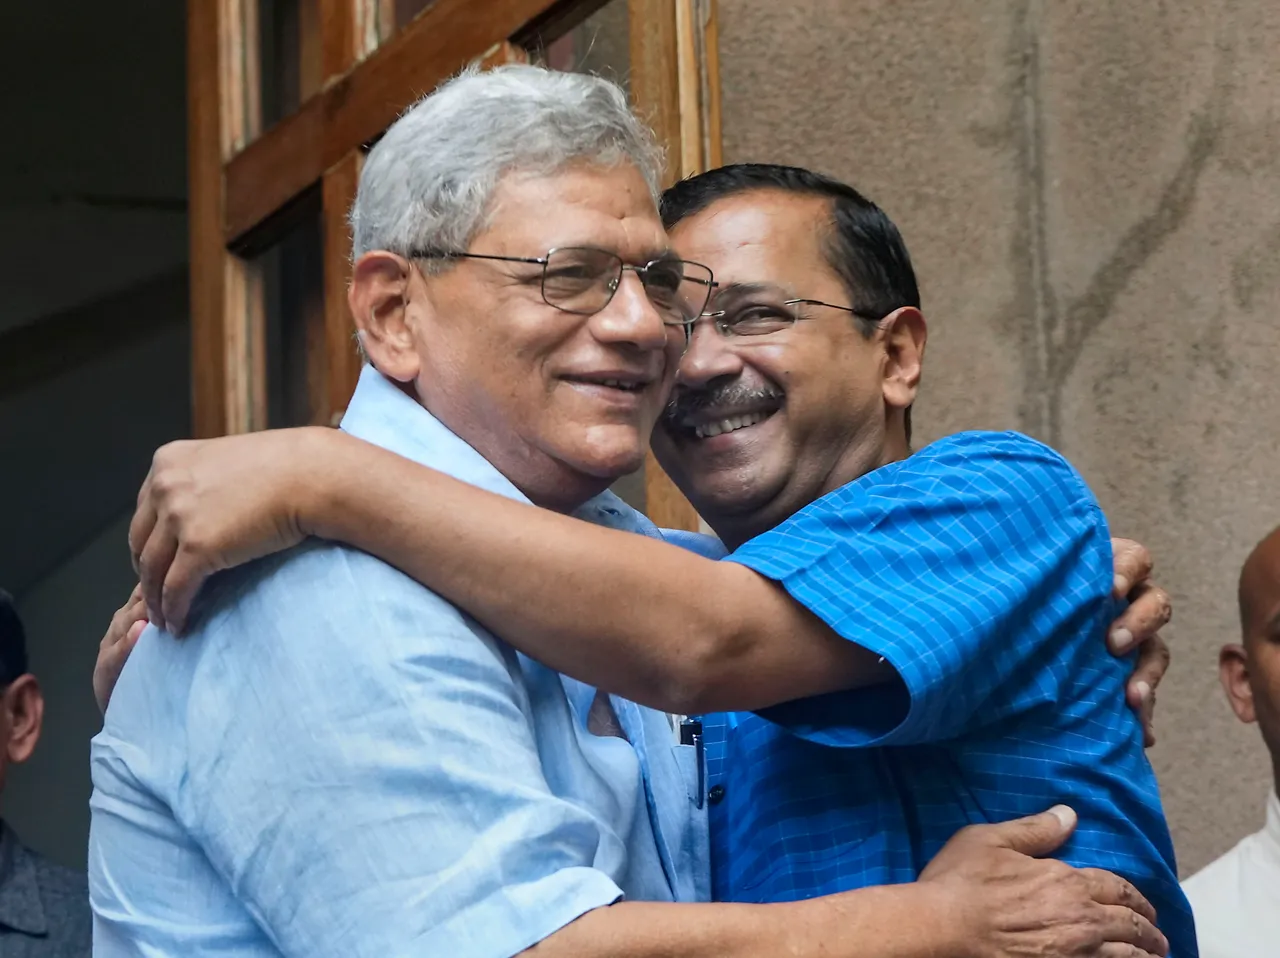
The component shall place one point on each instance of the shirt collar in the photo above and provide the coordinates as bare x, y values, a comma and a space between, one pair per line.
20, 906
383, 414
1271, 830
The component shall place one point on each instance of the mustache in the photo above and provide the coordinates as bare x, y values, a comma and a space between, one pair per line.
685, 402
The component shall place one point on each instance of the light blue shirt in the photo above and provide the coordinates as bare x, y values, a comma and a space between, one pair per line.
338, 762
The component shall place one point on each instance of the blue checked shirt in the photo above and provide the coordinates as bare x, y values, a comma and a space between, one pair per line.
338, 763
981, 569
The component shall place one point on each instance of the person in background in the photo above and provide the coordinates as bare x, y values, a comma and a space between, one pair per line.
1236, 899
44, 908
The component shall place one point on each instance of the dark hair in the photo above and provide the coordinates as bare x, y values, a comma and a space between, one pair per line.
863, 245
13, 642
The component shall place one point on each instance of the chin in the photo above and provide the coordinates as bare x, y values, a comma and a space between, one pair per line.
607, 452
730, 495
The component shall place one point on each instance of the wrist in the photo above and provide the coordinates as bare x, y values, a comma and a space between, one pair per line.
317, 477
950, 927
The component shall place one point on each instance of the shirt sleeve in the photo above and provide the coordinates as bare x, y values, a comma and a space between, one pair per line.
364, 775
971, 567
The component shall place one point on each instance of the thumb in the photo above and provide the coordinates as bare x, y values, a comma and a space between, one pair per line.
1035, 835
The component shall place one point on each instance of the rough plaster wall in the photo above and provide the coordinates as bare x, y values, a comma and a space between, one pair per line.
1091, 192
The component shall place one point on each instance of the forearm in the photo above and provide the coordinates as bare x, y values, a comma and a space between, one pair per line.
624, 613
896, 921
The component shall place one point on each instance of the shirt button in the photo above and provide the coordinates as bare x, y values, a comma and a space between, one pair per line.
716, 795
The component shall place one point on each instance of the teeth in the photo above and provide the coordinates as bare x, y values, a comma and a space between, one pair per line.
710, 429
619, 384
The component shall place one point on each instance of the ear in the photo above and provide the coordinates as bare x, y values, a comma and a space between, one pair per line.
1233, 670
379, 300
24, 706
905, 335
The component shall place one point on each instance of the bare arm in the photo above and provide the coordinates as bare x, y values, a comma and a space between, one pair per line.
705, 635
981, 897
870, 923
634, 616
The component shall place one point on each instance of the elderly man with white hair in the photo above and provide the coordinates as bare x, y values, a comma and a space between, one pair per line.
338, 762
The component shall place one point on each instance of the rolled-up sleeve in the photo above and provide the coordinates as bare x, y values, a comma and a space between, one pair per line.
363, 772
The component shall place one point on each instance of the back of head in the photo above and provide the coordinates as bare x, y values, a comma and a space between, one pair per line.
13, 642
427, 184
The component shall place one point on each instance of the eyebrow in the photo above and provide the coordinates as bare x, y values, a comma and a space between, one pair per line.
645, 256
732, 291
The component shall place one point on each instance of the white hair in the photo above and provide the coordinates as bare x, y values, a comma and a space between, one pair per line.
428, 182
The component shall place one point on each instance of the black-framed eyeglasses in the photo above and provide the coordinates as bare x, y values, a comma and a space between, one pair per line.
583, 279
750, 310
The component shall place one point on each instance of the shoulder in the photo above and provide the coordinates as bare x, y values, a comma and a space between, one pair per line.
982, 494
965, 478
1214, 895
318, 617
64, 885
1216, 883
64, 894
1000, 460
316, 584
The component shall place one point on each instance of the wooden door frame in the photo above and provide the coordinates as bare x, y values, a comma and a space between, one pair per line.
246, 184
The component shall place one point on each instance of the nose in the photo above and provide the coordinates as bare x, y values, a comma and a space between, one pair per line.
630, 319
709, 356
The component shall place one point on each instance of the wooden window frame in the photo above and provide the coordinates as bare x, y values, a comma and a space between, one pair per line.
248, 185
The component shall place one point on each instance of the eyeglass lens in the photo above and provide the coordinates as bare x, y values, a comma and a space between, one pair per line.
754, 312
583, 280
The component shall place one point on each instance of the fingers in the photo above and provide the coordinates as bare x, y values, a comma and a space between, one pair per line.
1114, 949
1035, 835
153, 565
181, 583
1124, 927
1149, 611
126, 626
1107, 888
143, 521
1133, 565
124, 619
1153, 663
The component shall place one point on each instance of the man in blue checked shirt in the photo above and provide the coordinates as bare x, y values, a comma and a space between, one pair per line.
910, 643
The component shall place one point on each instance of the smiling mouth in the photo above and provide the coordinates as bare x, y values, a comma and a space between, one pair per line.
629, 386
719, 427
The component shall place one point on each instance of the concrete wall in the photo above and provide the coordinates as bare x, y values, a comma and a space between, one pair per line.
1091, 192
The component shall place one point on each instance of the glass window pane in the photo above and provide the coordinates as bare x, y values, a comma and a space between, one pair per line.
406, 10
292, 276
289, 55
600, 45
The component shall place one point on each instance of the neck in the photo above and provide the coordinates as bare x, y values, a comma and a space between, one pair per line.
858, 461
542, 480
